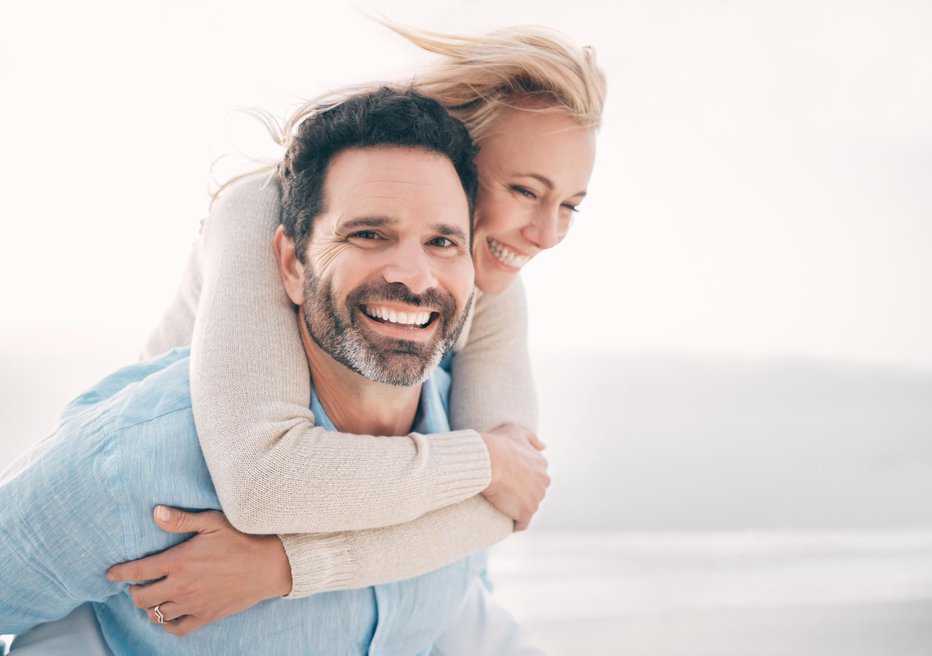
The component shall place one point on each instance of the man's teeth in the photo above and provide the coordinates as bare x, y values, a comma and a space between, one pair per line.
406, 318
507, 256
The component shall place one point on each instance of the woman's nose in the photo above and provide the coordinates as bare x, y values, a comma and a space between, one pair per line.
544, 231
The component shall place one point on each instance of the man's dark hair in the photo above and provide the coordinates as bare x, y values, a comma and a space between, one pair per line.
385, 117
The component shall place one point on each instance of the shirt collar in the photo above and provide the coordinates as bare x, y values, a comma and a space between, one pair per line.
432, 415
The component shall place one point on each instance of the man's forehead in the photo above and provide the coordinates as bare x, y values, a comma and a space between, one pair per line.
389, 165
394, 187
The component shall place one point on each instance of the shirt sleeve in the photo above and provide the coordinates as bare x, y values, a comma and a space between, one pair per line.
61, 533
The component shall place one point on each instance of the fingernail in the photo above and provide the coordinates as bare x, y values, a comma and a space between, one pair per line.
109, 575
162, 513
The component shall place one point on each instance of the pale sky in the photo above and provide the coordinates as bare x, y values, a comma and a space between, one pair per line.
762, 184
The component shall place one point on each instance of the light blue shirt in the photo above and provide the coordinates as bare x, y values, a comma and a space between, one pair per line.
82, 501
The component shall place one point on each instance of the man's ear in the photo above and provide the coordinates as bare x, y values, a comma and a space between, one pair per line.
289, 266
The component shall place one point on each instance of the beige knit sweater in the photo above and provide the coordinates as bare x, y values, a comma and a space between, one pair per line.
352, 510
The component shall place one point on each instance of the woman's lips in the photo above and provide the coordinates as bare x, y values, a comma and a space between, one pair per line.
507, 256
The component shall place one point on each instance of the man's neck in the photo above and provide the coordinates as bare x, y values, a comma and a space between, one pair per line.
354, 403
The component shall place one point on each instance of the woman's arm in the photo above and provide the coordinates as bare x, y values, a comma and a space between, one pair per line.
492, 381
357, 559
493, 385
272, 468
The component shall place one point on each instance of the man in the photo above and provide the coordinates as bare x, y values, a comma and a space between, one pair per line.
388, 237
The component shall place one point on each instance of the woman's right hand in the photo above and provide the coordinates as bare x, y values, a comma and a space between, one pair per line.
519, 472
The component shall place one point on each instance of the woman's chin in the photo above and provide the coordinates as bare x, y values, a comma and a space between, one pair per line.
494, 282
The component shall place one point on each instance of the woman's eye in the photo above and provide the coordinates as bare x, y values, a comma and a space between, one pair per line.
571, 208
527, 193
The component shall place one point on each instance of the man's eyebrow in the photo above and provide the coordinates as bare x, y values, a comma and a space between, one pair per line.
448, 230
547, 182
366, 222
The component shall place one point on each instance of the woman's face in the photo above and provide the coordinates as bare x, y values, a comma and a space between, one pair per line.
533, 171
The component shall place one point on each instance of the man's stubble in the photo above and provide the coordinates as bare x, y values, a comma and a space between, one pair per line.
384, 360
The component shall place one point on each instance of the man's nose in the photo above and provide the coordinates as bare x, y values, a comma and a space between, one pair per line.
544, 230
411, 266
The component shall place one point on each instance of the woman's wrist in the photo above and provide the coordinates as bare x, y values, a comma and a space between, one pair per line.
280, 582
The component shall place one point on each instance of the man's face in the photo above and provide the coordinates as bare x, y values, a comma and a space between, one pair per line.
388, 275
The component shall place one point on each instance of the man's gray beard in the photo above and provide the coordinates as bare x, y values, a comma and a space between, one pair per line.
398, 362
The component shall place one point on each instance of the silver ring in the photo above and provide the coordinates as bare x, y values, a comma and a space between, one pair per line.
158, 614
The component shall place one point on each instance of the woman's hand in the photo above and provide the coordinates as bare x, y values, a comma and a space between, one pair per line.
216, 573
519, 472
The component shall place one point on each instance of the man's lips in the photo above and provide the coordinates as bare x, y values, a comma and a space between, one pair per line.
410, 323
402, 316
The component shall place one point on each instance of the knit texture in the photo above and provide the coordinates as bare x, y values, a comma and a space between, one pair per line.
351, 510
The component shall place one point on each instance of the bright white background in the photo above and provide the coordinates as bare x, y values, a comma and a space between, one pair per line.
762, 185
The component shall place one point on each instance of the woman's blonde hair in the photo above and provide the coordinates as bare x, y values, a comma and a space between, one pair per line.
532, 68
529, 67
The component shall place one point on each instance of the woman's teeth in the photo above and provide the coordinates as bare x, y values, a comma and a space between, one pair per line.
391, 316
507, 256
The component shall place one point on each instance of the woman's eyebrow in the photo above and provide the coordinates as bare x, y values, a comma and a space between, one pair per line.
547, 182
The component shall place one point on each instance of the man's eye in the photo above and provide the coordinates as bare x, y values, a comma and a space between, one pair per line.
527, 193
441, 242
365, 234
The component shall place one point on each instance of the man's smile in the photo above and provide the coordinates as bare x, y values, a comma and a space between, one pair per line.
401, 321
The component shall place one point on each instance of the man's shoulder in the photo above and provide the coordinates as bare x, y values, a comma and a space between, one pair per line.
138, 393
135, 426
98, 428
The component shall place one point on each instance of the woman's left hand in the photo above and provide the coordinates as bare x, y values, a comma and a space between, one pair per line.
216, 573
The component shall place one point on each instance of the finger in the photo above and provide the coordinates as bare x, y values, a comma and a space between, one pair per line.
169, 609
147, 596
521, 525
143, 569
174, 520
536, 442
183, 626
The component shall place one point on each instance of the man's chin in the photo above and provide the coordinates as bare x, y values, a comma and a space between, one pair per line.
401, 368
395, 362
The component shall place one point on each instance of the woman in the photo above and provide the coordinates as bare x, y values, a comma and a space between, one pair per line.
532, 103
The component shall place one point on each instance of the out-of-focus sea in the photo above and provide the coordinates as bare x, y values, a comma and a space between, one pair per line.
721, 593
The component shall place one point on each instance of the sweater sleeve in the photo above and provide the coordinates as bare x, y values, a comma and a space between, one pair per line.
345, 560
274, 470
